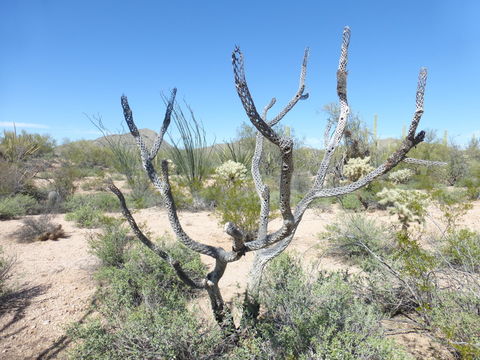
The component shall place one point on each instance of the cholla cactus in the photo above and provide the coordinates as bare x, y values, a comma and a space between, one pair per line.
408, 205
267, 244
400, 176
231, 172
356, 168
171, 166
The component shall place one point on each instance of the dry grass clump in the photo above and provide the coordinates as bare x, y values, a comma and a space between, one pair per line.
39, 229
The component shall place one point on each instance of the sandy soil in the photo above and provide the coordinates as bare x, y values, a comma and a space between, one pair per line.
53, 286
54, 282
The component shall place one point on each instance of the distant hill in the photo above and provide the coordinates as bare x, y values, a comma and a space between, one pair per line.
148, 136
127, 139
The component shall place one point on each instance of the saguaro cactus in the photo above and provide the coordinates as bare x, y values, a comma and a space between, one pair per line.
267, 244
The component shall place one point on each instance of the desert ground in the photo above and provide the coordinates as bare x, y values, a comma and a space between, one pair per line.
54, 285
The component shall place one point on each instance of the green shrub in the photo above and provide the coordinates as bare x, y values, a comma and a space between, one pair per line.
18, 177
95, 184
63, 180
462, 330
357, 236
86, 154
110, 246
18, 147
234, 197
143, 195
351, 202
318, 318
17, 205
87, 216
144, 309
453, 204
99, 201
145, 278
161, 334
237, 204
462, 249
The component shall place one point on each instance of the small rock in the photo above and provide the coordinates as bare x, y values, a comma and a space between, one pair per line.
46, 322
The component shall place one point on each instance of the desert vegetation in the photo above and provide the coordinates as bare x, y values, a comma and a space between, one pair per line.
398, 227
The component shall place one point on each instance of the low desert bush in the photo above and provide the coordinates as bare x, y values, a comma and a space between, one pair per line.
453, 204
234, 196
5, 268
95, 184
356, 237
144, 308
39, 229
17, 205
87, 216
317, 317
63, 180
110, 246
142, 194
99, 201
144, 334
462, 250
86, 154
351, 202
461, 331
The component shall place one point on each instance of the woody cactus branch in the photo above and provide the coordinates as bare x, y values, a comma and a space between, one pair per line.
267, 245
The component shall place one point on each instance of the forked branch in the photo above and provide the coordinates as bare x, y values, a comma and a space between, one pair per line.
268, 244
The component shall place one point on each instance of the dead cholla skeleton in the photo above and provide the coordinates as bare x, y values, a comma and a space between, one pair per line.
267, 245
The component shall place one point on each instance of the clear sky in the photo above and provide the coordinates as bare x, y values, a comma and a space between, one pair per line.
61, 60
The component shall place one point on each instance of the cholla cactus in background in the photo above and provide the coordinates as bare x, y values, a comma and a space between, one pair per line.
400, 176
409, 205
171, 166
356, 168
231, 172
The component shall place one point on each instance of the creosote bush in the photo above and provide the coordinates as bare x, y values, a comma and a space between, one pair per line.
17, 205
357, 236
99, 201
87, 216
110, 246
144, 305
425, 285
462, 249
317, 316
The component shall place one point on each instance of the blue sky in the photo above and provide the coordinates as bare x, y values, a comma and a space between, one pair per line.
63, 59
